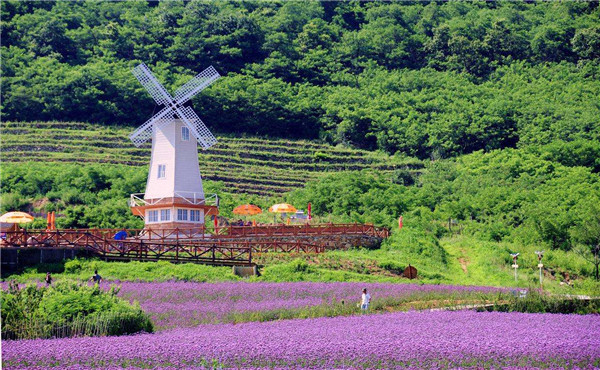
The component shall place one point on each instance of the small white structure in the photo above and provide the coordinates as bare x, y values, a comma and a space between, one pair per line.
299, 216
174, 196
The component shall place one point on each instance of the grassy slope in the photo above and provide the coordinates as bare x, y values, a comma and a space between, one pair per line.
469, 261
488, 263
484, 263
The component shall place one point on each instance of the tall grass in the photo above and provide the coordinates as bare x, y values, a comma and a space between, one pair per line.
83, 269
538, 302
415, 301
102, 324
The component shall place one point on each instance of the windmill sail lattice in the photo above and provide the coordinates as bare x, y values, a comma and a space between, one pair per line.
174, 106
147, 79
196, 84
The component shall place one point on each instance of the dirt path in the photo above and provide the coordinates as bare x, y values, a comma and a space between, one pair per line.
441, 305
464, 262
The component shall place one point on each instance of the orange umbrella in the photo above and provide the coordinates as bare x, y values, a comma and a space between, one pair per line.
283, 208
247, 209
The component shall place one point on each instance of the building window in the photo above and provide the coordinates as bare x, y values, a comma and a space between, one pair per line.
162, 169
185, 134
195, 215
165, 215
153, 216
182, 214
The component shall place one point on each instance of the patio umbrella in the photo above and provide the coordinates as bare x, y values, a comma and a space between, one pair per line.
16, 218
283, 208
247, 209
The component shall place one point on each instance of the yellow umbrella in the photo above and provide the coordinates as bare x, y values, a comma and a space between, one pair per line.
283, 208
247, 209
16, 218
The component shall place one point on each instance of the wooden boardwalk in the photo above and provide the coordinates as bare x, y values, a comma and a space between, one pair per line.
233, 245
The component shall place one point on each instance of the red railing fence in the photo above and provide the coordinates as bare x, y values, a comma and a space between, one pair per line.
187, 245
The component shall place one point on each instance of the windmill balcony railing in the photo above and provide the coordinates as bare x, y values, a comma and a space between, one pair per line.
137, 199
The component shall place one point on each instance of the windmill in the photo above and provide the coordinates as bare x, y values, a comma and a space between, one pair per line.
174, 196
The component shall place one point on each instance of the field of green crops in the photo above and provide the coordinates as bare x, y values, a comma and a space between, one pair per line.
248, 165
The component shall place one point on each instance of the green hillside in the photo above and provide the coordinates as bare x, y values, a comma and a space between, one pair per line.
504, 201
479, 115
421, 78
243, 165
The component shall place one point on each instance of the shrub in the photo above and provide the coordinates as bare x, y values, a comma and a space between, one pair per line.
320, 156
299, 265
392, 266
73, 266
68, 309
403, 177
13, 202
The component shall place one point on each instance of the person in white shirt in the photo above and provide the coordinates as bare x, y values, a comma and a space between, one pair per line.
366, 298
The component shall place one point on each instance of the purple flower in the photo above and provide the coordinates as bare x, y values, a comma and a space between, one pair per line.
412, 339
184, 304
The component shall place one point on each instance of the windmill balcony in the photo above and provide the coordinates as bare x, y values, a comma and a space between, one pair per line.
182, 197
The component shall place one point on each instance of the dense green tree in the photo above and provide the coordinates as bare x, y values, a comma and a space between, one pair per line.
551, 43
42, 32
587, 232
430, 79
271, 107
227, 38
586, 42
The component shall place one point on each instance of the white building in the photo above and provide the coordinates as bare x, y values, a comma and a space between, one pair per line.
174, 196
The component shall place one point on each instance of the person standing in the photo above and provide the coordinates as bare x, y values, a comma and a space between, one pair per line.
96, 278
365, 300
48, 279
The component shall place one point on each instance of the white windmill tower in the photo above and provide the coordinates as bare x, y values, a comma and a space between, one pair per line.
174, 196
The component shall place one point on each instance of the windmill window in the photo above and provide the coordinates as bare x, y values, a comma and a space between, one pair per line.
185, 134
195, 215
162, 169
182, 214
165, 215
153, 216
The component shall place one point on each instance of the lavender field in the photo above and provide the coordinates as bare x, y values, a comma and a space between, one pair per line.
202, 325
186, 304
414, 339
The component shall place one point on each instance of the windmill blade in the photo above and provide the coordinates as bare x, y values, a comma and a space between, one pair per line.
144, 132
197, 127
156, 90
196, 84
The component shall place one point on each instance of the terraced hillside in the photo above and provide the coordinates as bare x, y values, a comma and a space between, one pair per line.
250, 165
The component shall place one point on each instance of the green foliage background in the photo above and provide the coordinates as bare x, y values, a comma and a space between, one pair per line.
511, 200
424, 78
498, 99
